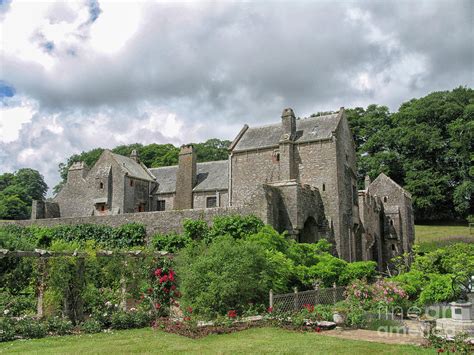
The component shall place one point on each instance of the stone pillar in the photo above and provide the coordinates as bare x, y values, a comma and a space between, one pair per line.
367, 182
134, 155
185, 178
288, 167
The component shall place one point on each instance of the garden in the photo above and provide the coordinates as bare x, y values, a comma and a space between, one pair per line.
227, 278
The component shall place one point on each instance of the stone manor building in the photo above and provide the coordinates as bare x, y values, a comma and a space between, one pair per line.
298, 175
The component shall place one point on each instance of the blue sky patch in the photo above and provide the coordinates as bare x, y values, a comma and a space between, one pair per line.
6, 90
94, 10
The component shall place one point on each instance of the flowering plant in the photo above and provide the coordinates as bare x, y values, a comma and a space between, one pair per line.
163, 292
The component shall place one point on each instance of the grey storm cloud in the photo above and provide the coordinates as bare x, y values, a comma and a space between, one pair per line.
222, 65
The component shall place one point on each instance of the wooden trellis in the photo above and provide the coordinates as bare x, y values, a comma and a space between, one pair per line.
75, 311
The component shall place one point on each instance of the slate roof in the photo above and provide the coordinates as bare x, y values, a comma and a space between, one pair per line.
211, 175
132, 168
307, 129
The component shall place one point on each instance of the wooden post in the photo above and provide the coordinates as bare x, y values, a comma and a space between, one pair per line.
334, 295
270, 302
123, 288
40, 287
295, 298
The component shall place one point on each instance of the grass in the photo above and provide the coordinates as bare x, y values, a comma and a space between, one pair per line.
256, 340
434, 236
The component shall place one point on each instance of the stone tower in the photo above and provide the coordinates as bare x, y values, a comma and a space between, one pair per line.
185, 178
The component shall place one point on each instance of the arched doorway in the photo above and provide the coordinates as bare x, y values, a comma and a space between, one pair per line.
309, 234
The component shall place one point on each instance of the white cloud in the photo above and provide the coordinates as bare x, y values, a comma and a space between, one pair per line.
182, 72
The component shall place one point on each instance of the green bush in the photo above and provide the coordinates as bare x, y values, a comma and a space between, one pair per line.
236, 226
7, 329
30, 328
358, 270
91, 326
438, 289
195, 229
225, 275
59, 325
170, 242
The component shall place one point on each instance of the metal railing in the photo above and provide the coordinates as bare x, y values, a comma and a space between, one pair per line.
293, 302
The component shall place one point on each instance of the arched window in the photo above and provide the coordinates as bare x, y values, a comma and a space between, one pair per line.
385, 199
101, 185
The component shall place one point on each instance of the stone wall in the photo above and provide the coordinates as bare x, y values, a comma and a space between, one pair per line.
156, 222
371, 215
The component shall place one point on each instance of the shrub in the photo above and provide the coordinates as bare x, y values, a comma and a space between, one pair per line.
30, 328
439, 289
236, 226
195, 229
225, 275
7, 329
121, 320
358, 270
170, 242
59, 325
91, 326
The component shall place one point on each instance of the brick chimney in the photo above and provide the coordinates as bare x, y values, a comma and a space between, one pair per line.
185, 178
288, 166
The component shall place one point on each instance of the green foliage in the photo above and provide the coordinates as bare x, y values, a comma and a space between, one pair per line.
438, 289
91, 326
426, 147
170, 242
236, 226
225, 275
7, 329
30, 328
195, 229
59, 325
17, 192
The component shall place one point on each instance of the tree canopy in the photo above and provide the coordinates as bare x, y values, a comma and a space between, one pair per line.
426, 147
17, 192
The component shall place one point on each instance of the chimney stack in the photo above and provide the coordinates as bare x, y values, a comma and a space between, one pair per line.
288, 166
185, 178
134, 155
288, 123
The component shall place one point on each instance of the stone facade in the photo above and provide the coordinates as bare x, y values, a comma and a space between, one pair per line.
298, 175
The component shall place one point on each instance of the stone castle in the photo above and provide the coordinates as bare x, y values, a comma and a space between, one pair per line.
298, 175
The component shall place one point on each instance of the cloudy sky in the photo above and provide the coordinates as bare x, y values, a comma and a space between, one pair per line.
82, 74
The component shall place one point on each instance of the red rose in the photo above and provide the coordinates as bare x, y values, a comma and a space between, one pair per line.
232, 313
163, 279
157, 306
270, 309
317, 330
173, 287
157, 272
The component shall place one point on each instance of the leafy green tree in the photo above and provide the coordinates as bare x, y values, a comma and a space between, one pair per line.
17, 192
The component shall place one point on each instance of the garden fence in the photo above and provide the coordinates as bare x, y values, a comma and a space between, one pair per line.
296, 300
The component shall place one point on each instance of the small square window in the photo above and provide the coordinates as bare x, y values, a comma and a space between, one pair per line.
161, 205
211, 202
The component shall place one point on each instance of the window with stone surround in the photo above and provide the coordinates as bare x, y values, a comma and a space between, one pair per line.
101, 185
324, 187
385, 199
131, 182
161, 205
211, 202
276, 156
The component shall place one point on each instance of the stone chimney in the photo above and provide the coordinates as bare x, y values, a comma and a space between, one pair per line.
77, 172
185, 178
134, 155
288, 165
288, 124
367, 182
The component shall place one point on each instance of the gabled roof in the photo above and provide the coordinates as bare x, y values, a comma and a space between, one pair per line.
307, 130
211, 176
384, 179
132, 168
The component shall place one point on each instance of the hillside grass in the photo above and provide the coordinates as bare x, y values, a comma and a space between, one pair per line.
252, 341
433, 236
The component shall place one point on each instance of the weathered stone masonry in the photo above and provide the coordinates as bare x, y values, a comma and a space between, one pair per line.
298, 175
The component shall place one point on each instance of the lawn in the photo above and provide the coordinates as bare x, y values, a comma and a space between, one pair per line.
256, 340
433, 236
